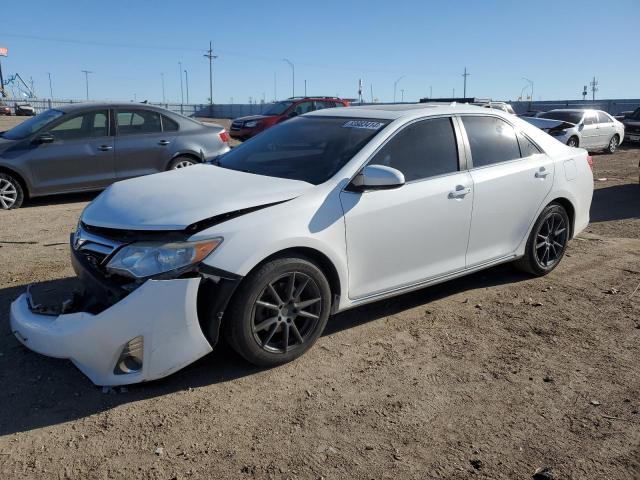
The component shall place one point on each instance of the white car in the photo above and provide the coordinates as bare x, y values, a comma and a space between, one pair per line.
325, 212
588, 129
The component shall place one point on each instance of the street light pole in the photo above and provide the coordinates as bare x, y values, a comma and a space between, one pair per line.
293, 77
402, 94
162, 79
50, 89
186, 82
465, 75
86, 79
531, 85
395, 86
181, 89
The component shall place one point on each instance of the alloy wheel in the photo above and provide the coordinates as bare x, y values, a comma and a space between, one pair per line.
286, 312
551, 240
613, 144
183, 164
572, 142
8, 194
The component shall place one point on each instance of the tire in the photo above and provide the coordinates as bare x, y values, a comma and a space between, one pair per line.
613, 144
258, 322
543, 252
181, 162
11, 192
573, 142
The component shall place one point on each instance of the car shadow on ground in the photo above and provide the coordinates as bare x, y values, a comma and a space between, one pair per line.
617, 202
60, 199
39, 391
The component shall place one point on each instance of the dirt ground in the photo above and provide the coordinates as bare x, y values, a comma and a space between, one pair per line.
491, 376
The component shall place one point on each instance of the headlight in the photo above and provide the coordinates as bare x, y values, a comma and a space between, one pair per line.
251, 124
144, 259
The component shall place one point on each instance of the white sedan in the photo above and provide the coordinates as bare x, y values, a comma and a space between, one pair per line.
325, 212
588, 129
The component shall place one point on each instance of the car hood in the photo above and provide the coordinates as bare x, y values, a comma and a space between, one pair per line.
177, 199
548, 123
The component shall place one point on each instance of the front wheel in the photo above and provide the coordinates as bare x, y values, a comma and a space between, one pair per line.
547, 241
573, 142
613, 144
278, 312
11, 193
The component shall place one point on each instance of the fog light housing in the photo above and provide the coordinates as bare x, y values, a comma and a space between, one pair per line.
130, 360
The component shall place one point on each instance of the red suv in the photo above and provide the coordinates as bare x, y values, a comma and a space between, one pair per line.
246, 127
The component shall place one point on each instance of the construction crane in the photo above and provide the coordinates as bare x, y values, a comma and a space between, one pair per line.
16, 82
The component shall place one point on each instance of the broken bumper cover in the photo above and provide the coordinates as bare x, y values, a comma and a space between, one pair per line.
162, 312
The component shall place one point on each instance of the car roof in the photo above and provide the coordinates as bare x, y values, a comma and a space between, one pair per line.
576, 110
74, 107
395, 111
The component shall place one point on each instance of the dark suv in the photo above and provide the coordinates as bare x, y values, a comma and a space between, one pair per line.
246, 127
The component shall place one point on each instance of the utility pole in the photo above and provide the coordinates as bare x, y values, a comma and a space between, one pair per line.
594, 88
430, 92
86, 80
293, 77
2, 91
186, 82
275, 88
584, 93
210, 56
50, 89
162, 79
395, 86
305, 88
371, 88
181, 90
402, 94
465, 75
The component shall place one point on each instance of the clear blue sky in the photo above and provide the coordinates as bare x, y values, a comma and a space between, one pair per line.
560, 45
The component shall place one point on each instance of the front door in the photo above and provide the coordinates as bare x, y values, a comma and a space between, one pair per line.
141, 145
399, 237
80, 157
589, 130
511, 178
606, 129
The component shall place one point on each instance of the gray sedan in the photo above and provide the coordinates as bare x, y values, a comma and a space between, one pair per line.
85, 147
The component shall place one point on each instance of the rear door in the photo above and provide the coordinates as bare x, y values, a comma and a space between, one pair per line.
511, 178
80, 156
141, 146
606, 129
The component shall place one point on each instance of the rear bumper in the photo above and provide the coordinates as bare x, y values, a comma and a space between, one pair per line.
162, 312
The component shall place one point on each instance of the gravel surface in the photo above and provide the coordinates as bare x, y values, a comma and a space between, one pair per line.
495, 375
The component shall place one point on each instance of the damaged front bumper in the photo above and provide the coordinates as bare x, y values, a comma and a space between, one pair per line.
162, 312
122, 334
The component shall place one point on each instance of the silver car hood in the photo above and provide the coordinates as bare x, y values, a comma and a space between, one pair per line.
179, 198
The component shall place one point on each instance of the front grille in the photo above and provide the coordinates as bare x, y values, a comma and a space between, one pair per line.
633, 129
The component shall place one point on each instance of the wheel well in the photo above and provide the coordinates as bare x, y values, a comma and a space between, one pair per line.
317, 257
571, 212
577, 139
188, 155
18, 177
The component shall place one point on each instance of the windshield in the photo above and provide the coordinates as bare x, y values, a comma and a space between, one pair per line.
571, 117
311, 149
635, 115
32, 125
278, 109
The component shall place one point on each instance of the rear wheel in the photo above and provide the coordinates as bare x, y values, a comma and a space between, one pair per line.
11, 193
547, 241
278, 312
613, 144
573, 142
181, 162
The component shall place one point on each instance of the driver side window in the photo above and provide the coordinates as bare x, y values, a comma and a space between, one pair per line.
86, 125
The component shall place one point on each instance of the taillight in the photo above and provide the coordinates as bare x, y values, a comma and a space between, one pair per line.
224, 136
590, 162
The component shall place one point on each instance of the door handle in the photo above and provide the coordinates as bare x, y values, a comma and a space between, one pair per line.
105, 148
460, 192
164, 142
542, 173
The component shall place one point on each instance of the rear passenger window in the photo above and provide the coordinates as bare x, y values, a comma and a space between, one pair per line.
603, 118
423, 149
138, 121
492, 140
169, 125
527, 147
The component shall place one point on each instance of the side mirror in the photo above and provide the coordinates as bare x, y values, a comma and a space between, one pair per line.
44, 138
378, 177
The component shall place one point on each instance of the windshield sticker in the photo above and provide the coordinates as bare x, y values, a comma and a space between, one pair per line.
367, 125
